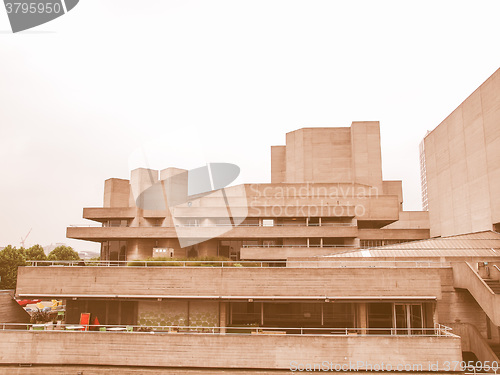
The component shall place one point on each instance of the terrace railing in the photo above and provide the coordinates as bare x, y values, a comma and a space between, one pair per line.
438, 330
215, 225
396, 263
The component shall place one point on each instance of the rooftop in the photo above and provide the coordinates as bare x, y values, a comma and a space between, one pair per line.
479, 244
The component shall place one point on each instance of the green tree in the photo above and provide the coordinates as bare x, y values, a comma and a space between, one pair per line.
63, 253
10, 259
35, 252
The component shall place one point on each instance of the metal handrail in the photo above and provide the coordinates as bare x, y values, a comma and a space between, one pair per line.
302, 246
215, 225
438, 330
240, 264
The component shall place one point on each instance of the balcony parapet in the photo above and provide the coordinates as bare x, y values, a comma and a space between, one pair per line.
226, 283
255, 351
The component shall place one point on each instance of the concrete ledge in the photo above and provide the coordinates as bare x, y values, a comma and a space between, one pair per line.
215, 282
222, 351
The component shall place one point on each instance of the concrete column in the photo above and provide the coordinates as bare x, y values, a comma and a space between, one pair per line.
362, 317
262, 314
435, 316
222, 316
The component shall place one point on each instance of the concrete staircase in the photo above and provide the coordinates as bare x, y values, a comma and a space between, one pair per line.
485, 292
493, 284
474, 346
496, 349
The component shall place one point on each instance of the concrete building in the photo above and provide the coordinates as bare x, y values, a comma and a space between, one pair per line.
462, 165
394, 305
326, 195
303, 287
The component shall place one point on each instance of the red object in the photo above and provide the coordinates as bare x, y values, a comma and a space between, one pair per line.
85, 321
95, 324
26, 302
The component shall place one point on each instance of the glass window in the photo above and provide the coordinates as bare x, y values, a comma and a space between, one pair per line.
268, 222
338, 315
380, 316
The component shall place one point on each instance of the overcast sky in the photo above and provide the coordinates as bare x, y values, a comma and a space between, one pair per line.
207, 81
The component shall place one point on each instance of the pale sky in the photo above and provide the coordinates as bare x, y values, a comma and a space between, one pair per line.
220, 81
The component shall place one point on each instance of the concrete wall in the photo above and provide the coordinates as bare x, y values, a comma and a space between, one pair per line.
366, 154
116, 193
278, 164
394, 188
393, 234
330, 155
234, 282
411, 220
136, 370
473, 341
462, 158
283, 253
220, 351
10, 310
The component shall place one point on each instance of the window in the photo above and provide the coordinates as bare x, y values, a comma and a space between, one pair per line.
193, 223
268, 222
408, 319
114, 250
380, 316
339, 315
243, 313
116, 223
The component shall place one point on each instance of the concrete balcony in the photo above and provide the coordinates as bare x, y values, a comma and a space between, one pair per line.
393, 234
286, 252
106, 233
382, 208
100, 234
228, 352
110, 213
229, 283
104, 213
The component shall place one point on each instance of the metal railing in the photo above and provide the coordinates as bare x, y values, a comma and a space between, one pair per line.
303, 246
270, 226
243, 264
437, 331
215, 225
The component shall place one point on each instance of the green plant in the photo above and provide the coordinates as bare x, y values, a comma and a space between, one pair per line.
63, 253
10, 259
35, 252
208, 261
40, 316
94, 261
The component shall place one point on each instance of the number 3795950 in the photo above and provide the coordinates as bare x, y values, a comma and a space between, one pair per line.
33, 8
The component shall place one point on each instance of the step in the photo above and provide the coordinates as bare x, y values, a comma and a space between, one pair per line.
494, 285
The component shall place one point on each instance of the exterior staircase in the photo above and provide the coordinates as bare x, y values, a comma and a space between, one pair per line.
486, 291
496, 349
493, 284
495, 287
